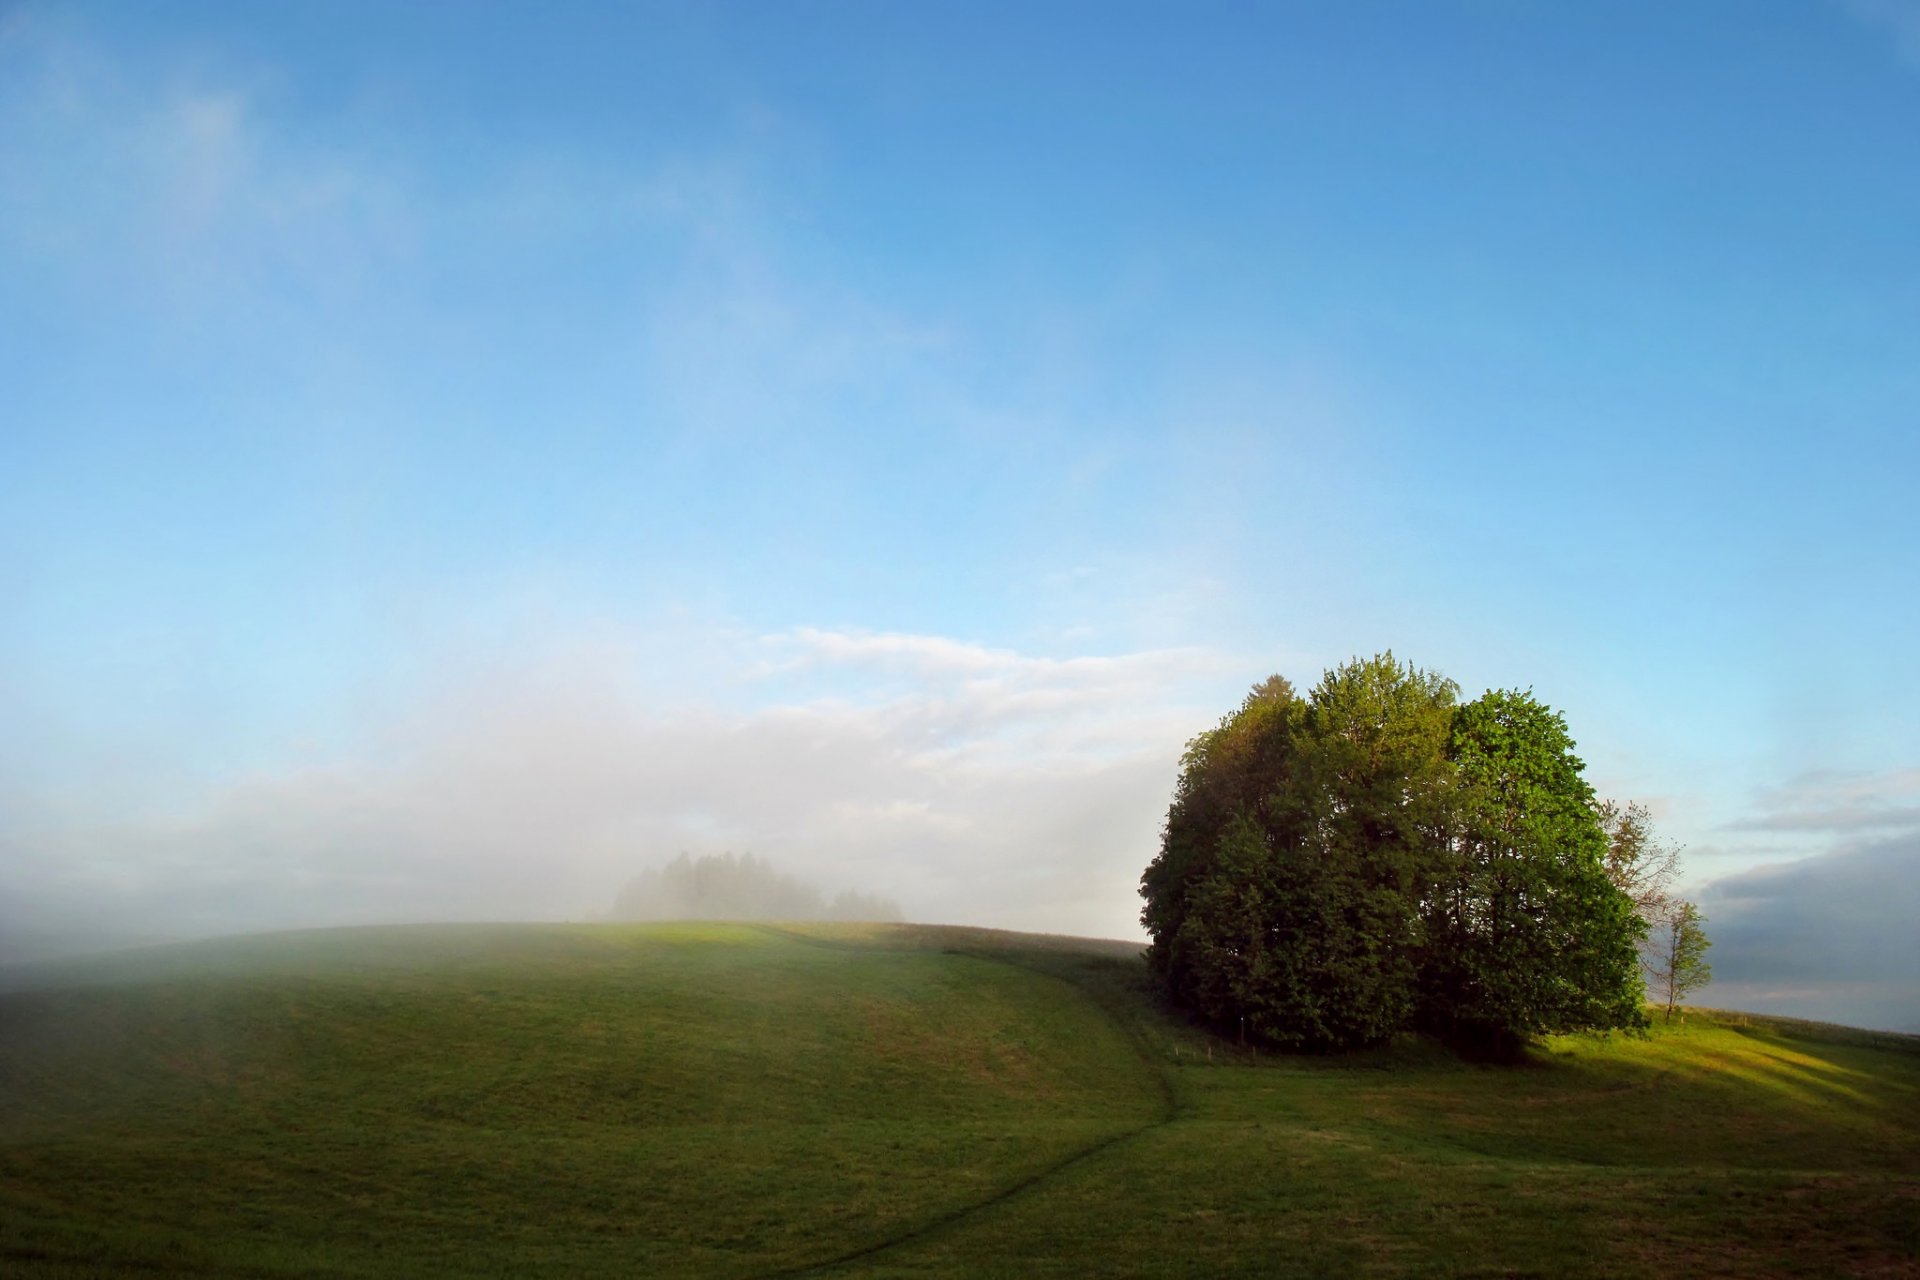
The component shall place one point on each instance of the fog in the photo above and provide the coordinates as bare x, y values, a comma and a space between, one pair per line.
725, 886
959, 783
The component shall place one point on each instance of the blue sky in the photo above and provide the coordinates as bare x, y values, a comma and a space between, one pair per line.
507, 446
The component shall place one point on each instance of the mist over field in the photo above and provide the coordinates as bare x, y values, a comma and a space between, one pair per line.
957, 782
727, 887
450, 468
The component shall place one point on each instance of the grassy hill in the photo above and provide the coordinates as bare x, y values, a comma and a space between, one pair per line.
730, 1100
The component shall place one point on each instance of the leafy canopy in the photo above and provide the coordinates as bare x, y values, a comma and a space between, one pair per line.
1377, 856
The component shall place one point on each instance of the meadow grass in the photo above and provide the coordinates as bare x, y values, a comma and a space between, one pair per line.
734, 1100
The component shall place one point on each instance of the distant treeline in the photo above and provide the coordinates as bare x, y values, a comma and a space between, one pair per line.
726, 886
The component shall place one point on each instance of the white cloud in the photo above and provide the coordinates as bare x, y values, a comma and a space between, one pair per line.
932, 654
939, 655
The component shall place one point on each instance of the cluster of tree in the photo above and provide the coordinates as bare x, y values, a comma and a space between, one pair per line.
723, 886
1378, 856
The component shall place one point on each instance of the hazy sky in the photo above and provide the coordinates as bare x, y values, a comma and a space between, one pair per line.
454, 456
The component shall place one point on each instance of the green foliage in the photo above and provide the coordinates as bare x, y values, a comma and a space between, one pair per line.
1678, 961
1284, 899
1526, 933
1338, 868
1354, 826
1224, 773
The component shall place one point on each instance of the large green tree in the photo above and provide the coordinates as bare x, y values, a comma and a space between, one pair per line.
1526, 933
1225, 776
1286, 896
1339, 867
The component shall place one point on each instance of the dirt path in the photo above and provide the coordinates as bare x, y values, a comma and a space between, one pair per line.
1169, 1110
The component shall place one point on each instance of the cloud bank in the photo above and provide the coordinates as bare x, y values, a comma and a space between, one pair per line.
1833, 936
1830, 937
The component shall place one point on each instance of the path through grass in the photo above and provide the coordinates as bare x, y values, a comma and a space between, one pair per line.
886, 1101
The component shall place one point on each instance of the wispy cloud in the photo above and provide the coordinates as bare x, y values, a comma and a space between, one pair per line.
198, 199
1839, 803
181, 194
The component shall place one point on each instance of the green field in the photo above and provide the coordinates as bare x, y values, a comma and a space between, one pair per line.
728, 1100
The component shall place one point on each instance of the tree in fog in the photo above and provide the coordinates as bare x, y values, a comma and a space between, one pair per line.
726, 886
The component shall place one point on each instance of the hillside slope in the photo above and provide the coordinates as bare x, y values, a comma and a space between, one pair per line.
883, 1100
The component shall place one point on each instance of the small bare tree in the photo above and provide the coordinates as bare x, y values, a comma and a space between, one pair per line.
1640, 865
1675, 958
